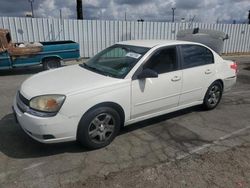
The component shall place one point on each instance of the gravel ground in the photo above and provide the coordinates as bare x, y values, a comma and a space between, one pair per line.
230, 168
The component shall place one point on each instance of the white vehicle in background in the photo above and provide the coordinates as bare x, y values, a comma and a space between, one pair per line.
128, 82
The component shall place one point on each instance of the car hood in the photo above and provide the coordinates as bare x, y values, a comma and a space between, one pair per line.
66, 81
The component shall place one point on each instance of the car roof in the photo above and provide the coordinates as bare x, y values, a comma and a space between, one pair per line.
152, 43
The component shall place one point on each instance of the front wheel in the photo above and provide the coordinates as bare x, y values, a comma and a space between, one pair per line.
98, 127
213, 96
51, 64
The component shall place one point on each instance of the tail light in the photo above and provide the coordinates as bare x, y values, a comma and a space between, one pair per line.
234, 66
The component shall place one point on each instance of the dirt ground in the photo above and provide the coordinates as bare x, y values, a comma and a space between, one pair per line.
230, 168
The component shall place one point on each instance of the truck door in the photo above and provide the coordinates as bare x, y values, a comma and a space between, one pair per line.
5, 62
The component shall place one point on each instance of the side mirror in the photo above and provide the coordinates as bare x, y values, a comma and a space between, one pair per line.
147, 73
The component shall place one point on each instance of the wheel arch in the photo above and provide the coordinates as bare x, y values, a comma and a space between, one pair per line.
44, 59
221, 82
207, 106
113, 105
217, 80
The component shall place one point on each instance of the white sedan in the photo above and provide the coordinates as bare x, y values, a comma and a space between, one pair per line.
128, 82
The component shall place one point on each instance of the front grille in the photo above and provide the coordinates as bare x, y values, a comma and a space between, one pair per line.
23, 99
22, 102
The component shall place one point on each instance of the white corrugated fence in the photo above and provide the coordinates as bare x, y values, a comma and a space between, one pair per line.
95, 35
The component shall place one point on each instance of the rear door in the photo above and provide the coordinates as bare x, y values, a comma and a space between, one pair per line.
198, 72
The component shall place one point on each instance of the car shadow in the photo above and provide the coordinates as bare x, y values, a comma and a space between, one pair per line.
16, 144
159, 119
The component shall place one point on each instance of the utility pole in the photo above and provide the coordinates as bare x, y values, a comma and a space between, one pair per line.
31, 6
249, 17
173, 9
125, 16
60, 14
79, 9
217, 21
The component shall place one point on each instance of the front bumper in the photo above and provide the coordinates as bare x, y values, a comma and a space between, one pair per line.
59, 128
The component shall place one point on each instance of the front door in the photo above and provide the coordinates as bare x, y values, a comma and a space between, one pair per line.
4, 60
152, 95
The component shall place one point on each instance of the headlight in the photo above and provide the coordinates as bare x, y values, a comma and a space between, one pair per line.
47, 103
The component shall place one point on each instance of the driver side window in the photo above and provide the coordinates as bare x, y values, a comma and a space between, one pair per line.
163, 61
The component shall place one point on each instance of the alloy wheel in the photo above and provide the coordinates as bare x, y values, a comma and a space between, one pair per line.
101, 128
214, 95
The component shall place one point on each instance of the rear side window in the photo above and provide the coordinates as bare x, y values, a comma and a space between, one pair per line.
163, 61
195, 55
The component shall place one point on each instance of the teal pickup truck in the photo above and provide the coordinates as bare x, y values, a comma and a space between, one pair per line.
49, 54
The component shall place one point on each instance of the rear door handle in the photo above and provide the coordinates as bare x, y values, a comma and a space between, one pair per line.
176, 78
208, 71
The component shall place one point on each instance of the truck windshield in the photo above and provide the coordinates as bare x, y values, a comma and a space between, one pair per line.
116, 61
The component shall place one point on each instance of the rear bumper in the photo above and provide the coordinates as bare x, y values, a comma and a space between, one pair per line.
229, 83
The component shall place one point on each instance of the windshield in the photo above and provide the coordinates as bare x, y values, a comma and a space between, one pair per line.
116, 61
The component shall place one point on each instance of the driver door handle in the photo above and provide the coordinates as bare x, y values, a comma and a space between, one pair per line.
208, 71
176, 78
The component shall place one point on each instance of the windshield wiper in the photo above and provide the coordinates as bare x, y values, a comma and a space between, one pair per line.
94, 69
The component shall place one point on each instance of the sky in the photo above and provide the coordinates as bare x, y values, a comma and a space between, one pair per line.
209, 11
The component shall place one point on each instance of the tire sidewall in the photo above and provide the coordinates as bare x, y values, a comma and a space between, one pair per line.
205, 102
83, 127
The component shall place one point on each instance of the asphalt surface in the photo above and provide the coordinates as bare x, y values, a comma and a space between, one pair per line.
161, 140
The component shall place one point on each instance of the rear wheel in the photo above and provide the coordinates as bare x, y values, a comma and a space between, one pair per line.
213, 96
98, 127
52, 63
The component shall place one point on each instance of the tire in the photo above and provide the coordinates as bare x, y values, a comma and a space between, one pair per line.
213, 96
52, 63
98, 127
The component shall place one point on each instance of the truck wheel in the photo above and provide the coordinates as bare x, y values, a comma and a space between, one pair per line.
51, 64
98, 127
213, 96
